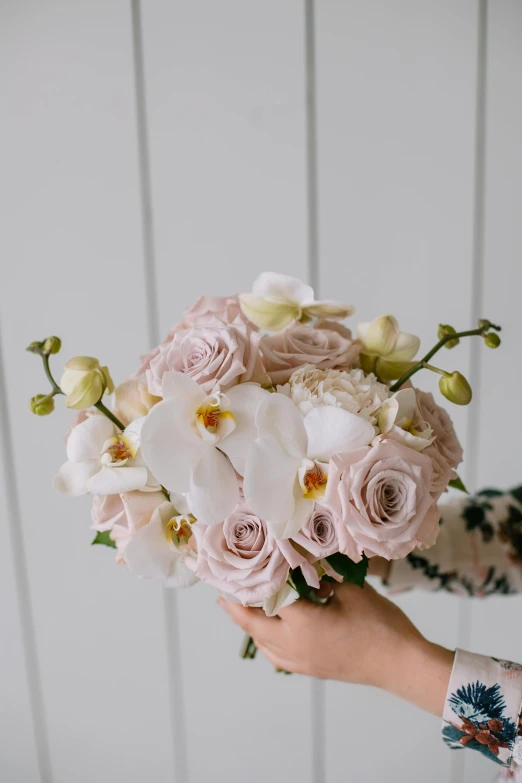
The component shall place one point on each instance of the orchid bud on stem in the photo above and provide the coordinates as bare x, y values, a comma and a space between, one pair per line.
454, 383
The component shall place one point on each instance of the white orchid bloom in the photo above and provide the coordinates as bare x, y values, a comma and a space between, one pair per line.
277, 300
387, 351
104, 461
187, 438
160, 549
287, 466
395, 420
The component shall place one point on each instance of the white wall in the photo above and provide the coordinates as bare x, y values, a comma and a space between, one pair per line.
149, 153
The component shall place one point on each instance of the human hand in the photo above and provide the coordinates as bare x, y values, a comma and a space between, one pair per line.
359, 637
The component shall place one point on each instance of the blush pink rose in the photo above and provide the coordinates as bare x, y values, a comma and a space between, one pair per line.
318, 536
123, 514
442, 471
216, 355
205, 308
240, 557
382, 496
297, 345
446, 441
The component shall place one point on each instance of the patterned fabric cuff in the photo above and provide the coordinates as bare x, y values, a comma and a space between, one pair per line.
483, 707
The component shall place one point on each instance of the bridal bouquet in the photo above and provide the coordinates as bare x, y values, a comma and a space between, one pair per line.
261, 448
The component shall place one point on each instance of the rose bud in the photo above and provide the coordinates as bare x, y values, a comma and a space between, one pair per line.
456, 388
85, 382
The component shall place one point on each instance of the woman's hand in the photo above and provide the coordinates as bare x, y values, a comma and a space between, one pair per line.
358, 637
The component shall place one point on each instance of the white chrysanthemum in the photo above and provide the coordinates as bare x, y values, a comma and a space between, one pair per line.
353, 390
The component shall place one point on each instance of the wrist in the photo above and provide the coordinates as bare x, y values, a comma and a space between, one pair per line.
423, 674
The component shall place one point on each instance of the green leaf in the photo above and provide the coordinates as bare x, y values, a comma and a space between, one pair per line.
104, 538
350, 571
300, 583
458, 484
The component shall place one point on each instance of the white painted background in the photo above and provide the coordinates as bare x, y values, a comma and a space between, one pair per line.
150, 152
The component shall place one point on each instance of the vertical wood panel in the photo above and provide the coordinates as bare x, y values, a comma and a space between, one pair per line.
495, 624
72, 247
20, 734
395, 129
226, 96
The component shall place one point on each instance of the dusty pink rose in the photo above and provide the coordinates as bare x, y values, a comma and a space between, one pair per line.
226, 308
446, 441
318, 536
123, 514
382, 496
217, 354
240, 557
298, 345
147, 358
442, 471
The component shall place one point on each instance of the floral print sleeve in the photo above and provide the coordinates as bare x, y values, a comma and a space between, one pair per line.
483, 708
478, 551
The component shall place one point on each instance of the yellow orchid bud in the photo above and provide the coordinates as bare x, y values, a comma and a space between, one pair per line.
381, 335
445, 329
85, 382
268, 314
42, 404
492, 340
51, 345
455, 388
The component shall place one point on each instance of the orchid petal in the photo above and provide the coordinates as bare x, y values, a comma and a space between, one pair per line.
405, 348
333, 430
284, 597
86, 439
113, 481
289, 527
270, 475
243, 401
214, 491
328, 309
181, 386
170, 447
180, 576
148, 553
72, 478
277, 287
266, 314
279, 418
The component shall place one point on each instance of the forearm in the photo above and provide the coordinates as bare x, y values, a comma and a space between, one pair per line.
422, 675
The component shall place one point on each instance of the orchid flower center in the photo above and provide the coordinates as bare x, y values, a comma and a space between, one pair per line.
179, 530
212, 423
312, 479
117, 451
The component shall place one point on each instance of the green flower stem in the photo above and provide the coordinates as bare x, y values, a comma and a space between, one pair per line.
45, 360
249, 649
442, 342
434, 369
110, 415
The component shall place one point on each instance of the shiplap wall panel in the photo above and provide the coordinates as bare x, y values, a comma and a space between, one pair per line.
18, 756
496, 627
226, 108
395, 99
71, 245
